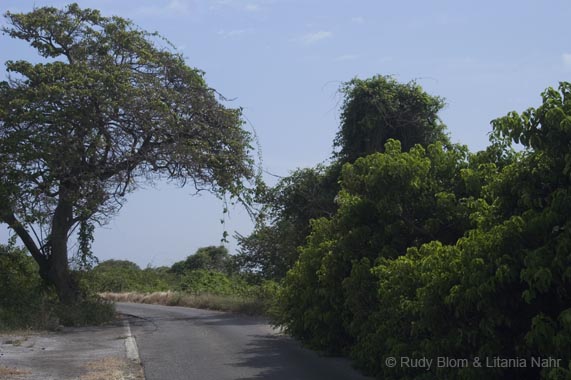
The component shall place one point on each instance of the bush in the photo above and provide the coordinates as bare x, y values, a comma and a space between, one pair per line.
91, 311
213, 282
24, 300
209, 258
388, 202
371, 283
126, 276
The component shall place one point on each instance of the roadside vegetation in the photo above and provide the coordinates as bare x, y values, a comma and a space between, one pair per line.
207, 279
402, 244
103, 109
406, 245
27, 302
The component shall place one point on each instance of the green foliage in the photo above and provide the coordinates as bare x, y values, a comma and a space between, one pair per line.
410, 318
379, 108
269, 251
125, 276
495, 285
388, 202
305, 194
91, 311
110, 108
374, 110
204, 281
208, 271
121, 280
23, 298
206, 258
27, 302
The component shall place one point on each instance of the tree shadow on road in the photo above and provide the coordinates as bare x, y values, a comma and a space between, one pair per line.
282, 358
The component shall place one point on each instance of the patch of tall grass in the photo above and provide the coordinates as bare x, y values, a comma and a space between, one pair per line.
249, 305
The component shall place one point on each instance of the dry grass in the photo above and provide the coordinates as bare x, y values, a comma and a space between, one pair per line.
112, 368
20, 332
12, 373
243, 305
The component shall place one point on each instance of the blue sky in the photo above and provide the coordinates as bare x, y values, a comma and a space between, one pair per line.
283, 62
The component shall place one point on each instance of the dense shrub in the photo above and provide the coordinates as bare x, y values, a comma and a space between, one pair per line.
388, 202
209, 258
214, 282
494, 279
90, 311
24, 300
126, 276
27, 302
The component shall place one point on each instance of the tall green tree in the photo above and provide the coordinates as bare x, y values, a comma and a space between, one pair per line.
483, 272
380, 108
209, 258
502, 290
305, 194
374, 110
388, 202
110, 107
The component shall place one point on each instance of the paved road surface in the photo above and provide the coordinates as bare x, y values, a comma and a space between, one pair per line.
177, 343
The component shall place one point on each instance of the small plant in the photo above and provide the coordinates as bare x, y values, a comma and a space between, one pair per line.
92, 311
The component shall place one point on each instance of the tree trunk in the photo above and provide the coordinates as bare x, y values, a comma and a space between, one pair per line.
51, 258
56, 269
56, 272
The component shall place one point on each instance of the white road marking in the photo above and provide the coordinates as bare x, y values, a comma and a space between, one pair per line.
131, 345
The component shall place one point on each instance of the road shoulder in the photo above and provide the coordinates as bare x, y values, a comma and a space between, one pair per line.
84, 353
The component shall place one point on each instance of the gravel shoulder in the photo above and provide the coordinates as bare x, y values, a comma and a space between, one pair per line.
86, 353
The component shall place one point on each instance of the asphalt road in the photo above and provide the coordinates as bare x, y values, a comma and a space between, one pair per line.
177, 343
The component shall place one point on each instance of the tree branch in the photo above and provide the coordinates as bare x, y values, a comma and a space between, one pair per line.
10, 219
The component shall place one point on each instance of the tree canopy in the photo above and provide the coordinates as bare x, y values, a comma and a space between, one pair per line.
380, 108
271, 249
440, 253
374, 110
209, 258
110, 107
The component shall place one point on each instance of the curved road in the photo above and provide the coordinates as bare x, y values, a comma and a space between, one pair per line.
178, 343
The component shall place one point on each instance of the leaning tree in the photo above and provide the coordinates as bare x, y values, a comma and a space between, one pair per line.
109, 107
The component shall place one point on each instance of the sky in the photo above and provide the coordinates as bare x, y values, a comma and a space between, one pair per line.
283, 62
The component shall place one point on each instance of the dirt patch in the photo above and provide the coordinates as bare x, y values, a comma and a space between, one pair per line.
16, 341
110, 368
78, 353
12, 373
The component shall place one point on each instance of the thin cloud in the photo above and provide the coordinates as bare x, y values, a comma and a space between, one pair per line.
315, 37
173, 8
180, 6
358, 20
231, 33
566, 57
346, 57
252, 7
